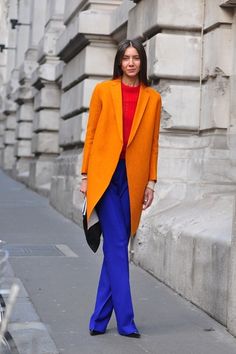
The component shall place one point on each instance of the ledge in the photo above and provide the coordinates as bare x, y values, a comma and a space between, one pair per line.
80, 31
228, 3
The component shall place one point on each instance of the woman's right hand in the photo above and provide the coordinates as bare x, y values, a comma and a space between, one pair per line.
83, 186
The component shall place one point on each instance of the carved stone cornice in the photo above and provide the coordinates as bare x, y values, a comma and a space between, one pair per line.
44, 74
228, 3
81, 31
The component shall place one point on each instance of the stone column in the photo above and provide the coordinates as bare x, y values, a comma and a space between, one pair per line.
3, 31
119, 20
45, 144
178, 240
16, 38
8, 158
23, 31
22, 132
12, 39
88, 52
24, 97
2, 132
3, 65
25, 93
231, 320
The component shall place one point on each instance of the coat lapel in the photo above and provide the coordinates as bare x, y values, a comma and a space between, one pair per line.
117, 103
140, 108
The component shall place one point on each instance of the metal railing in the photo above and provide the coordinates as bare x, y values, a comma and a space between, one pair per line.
5, 307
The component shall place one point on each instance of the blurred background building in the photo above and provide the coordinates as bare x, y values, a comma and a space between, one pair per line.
53, 52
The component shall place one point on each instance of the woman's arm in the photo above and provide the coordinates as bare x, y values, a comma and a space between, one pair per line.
154, 153
94, 113
149, 191
84, 184
148, 197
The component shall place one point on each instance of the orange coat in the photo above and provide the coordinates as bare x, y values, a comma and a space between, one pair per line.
104, 141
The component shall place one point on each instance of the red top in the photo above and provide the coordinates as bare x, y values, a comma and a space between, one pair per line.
129, 101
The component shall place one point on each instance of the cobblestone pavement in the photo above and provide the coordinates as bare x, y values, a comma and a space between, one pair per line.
58, 277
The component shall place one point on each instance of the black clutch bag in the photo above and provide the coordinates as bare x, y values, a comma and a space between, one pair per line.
93, 230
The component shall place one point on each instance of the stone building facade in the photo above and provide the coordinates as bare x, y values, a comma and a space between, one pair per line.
56, 54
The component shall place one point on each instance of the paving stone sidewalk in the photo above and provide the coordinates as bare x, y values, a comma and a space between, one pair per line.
58, 278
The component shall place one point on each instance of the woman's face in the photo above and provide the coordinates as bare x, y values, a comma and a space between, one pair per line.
130, 63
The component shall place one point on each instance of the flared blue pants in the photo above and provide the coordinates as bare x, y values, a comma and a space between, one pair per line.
113, 292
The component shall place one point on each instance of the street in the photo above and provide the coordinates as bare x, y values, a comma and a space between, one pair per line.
58, 274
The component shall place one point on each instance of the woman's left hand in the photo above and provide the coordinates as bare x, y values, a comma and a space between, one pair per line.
148, 198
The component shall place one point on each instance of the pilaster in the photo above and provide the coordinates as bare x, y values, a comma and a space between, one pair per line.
17, 37
2, 133
23, 32
9, 110
3, 73
45, 146
150, 17
196, 182
88, 51
119, 20
35, 15
24, 97
11, 39
231, 320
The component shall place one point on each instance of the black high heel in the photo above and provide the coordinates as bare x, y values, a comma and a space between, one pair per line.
93, 332
132, 335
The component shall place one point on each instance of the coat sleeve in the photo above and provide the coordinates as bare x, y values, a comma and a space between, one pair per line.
94, 113
154, 153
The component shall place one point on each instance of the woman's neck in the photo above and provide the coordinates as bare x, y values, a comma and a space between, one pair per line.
130, 81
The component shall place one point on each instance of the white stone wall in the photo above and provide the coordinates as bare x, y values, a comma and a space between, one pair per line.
47, 96
180, 239
191, 46
9, 110
88, 61
3, 74
31, 30
231, 142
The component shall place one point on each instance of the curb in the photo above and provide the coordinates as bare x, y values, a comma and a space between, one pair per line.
26, 333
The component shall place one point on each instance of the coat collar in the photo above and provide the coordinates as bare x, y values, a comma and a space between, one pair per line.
140, 108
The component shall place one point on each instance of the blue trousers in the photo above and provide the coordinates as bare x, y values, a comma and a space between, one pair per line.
113, 292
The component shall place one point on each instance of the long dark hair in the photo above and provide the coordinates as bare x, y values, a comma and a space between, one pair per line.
122, 46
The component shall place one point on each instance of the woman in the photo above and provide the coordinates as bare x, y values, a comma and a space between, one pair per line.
119, 172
